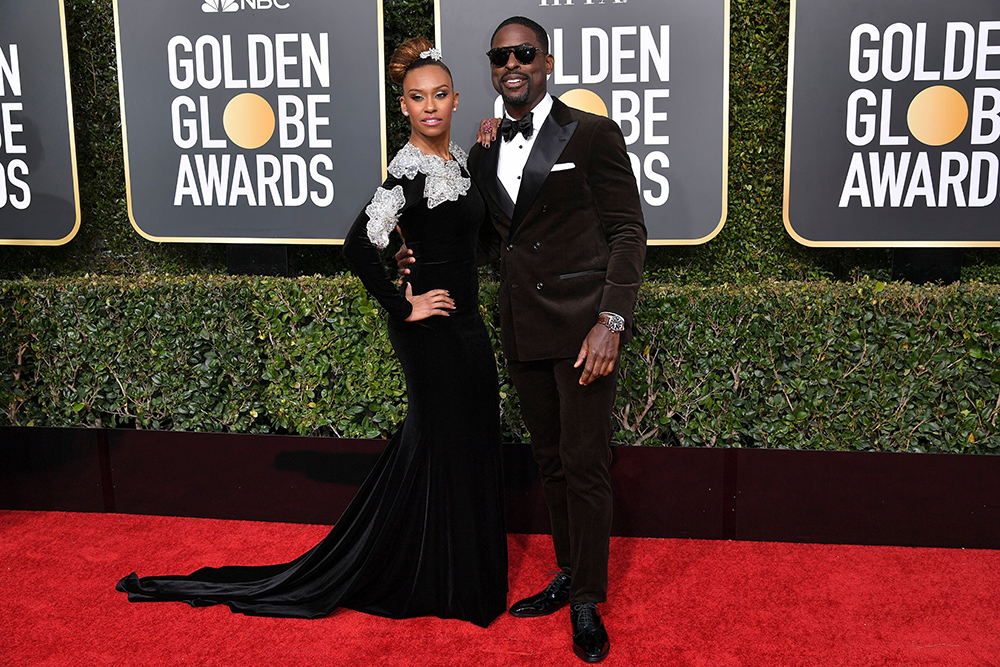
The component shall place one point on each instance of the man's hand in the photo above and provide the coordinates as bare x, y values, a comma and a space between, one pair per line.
488, 128
403, 258
598, 354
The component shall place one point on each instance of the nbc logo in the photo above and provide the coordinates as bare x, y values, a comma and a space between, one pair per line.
216, 6
212, 6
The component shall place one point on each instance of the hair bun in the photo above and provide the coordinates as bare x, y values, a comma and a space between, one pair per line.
404, 55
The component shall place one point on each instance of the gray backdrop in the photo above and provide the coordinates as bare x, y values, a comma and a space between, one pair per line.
693, 210
819, 154
52, 215
355, 116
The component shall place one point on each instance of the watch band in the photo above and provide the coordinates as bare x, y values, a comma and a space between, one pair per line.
614, 322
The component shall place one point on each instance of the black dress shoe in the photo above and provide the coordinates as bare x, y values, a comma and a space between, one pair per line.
590, 639
554, 597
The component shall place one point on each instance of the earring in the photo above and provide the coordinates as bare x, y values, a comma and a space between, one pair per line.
406, 113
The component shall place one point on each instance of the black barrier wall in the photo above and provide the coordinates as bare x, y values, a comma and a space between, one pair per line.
785, 496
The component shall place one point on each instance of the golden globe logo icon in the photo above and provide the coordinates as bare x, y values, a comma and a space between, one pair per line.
209, 171
219, 6
938, 115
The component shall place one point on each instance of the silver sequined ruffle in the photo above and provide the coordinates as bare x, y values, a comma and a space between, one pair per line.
382, 215
444, 182
444, 177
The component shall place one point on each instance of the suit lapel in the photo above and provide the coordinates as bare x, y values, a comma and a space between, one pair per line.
491, 183
551, 142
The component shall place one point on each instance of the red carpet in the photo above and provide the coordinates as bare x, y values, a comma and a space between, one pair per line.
674, 602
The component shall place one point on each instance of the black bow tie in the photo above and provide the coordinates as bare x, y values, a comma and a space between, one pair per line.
509, 128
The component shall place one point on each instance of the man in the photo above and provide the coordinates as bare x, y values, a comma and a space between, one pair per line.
568, 229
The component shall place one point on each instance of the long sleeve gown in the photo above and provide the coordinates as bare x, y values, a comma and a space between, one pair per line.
425, 535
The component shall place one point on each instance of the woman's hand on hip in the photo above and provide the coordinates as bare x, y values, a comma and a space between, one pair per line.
428, 304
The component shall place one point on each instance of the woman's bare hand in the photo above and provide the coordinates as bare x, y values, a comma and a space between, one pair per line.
428, 304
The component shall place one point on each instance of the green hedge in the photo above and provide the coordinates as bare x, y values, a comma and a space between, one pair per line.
865, 366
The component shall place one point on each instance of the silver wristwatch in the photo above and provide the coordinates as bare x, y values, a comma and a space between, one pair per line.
614, 323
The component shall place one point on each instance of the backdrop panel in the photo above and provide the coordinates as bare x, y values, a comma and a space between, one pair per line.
660, 70
39, 197
250, 120
892, 124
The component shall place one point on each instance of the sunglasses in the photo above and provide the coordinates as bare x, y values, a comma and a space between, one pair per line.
525, 54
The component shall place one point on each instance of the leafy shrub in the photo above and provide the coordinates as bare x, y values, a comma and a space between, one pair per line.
864, 366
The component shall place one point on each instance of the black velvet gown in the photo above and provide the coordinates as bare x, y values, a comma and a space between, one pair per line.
425, 535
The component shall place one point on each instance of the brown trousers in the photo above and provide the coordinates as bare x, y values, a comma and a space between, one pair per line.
570, 427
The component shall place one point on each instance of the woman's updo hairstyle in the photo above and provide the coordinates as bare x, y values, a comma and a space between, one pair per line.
406, 58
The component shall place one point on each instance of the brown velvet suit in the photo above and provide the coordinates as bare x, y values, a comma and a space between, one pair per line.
572, 247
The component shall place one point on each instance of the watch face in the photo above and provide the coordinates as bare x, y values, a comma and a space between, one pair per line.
614, 323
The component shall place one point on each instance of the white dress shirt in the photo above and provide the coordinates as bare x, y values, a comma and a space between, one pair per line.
514, 153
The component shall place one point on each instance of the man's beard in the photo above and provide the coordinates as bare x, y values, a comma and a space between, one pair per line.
519, 100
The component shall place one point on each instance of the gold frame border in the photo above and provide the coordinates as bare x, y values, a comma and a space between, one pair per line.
788, 177
725, 132
437, 24
72, 150
248, 240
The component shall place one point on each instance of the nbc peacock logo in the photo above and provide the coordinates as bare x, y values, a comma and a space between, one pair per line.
215, 6
225, 6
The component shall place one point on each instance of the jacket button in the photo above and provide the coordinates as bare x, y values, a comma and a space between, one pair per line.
545, 208
538, 244
496, 216
510, 246
538, 285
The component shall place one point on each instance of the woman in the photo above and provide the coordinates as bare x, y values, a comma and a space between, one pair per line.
425, 535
